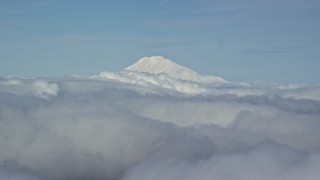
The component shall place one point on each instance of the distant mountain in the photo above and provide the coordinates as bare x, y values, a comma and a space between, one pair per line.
161, 65
159, 73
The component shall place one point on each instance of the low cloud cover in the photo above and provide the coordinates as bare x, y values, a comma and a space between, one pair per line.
143, 124
104, 128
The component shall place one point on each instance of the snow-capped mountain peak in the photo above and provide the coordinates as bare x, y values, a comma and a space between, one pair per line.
162, 65
157, 72
157, 65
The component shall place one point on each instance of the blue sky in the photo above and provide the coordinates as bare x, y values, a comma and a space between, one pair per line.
239, 40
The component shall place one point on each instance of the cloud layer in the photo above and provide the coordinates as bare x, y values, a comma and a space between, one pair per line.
89, 128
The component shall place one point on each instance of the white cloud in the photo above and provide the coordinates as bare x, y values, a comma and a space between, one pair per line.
151, 80
38, 87
44, 89
302, 92
123, 128
266, 161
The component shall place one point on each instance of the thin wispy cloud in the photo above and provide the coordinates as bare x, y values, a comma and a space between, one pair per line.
273, 50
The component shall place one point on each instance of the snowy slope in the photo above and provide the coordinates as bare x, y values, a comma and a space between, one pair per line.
161, 65
158, 72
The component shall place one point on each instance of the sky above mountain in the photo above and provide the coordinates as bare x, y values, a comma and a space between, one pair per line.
238, 40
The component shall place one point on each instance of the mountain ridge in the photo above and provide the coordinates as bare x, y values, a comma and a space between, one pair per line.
158, 72
159, 64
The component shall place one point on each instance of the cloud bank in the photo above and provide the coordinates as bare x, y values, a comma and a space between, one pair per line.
114, 126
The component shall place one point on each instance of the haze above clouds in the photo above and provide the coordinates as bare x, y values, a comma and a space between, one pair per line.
146, 124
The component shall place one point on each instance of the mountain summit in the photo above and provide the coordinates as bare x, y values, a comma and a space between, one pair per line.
161, 65
159, 73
